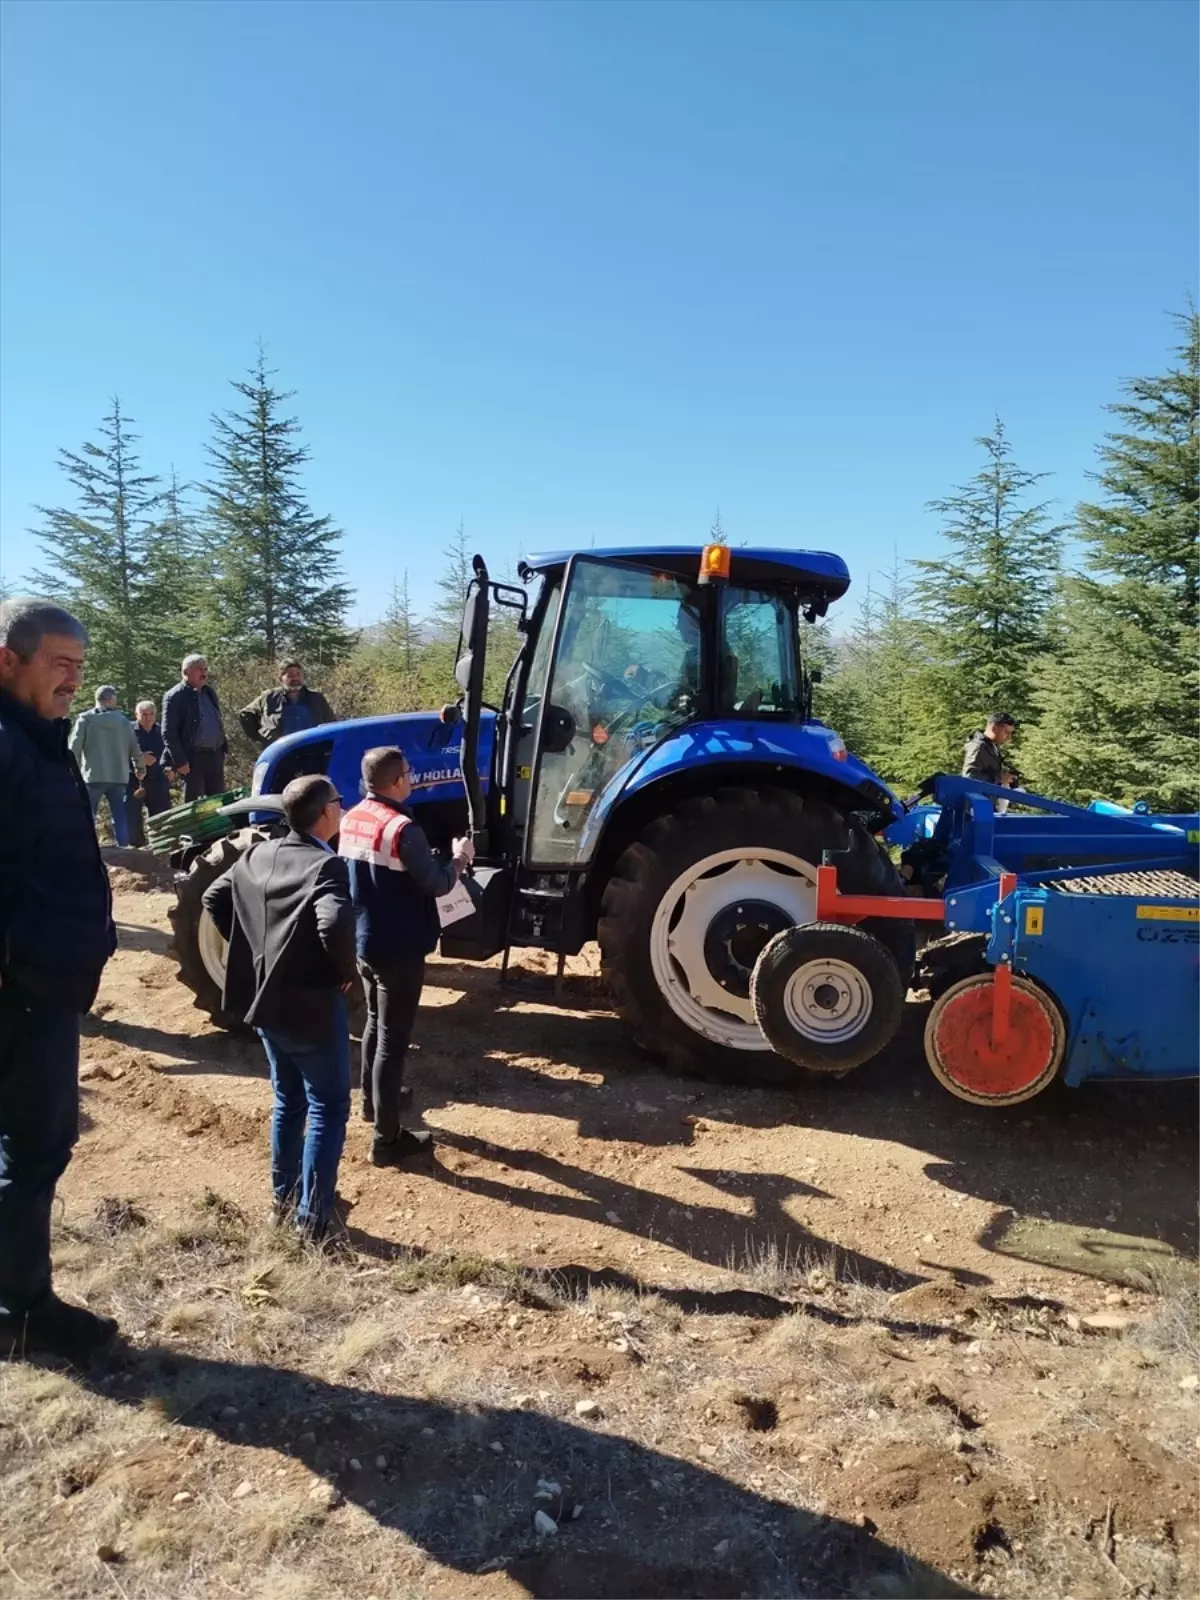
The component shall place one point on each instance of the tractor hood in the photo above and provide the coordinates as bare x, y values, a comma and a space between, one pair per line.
337, 748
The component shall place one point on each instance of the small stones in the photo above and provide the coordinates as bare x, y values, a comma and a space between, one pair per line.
588, 1410
721, 1548
326, 1495
109, 1553
243, 1489
181, 1499
228, 1413
543, 1523
707, 1452
1190, 1384
381, 1463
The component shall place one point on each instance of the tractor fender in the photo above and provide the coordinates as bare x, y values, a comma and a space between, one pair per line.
729, 752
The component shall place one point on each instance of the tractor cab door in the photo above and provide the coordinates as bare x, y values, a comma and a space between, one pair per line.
624, 668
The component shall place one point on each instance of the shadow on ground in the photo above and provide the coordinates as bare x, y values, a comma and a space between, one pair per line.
650, 1524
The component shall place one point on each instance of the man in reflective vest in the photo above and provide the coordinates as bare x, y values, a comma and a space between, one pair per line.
395, 881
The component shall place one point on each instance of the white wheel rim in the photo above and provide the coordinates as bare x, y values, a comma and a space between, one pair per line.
213, 949
684, 916
828, 1001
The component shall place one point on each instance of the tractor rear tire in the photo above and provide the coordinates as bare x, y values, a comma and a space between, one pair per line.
785, 835
200, 950
195, 943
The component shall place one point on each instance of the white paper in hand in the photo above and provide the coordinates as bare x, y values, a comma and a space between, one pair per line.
456, 905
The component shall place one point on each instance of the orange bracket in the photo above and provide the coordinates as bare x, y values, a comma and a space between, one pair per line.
832, 906
1002, 982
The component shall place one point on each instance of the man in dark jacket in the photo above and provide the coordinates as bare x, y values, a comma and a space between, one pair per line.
395, 881
195, 731
982, 758
56, 933
285, 909
290, 708
153, 794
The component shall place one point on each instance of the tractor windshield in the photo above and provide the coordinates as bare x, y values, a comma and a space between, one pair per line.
626, 671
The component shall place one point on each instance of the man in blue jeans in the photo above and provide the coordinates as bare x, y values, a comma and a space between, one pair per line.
285, 909
56, 933
106, 747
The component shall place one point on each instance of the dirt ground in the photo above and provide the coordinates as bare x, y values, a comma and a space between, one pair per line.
626, 1335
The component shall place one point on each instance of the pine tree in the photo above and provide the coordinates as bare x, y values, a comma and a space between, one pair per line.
277, 578
986, 603
177, 587
1120, 704
99, 557
401, 630
453, 584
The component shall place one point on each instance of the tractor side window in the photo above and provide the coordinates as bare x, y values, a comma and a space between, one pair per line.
627, 671
759, 671
535, 684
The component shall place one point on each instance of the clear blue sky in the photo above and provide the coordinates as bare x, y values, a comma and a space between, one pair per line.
589, 271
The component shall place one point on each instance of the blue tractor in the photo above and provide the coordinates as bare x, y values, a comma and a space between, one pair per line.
654, 779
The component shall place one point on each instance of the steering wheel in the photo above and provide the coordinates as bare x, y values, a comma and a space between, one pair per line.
615, 685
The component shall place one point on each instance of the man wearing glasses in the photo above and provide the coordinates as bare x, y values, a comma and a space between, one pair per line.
395, 881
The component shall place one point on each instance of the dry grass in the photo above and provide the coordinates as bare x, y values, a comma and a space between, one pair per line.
288, 1369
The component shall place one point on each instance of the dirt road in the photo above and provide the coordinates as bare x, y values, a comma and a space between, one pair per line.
811, 1299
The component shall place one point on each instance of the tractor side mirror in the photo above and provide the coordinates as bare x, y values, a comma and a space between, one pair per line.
816, 676
558, 729
462, 670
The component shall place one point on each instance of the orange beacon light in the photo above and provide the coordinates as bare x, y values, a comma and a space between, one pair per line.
715, 561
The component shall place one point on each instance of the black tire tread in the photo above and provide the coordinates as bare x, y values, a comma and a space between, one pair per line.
859, 948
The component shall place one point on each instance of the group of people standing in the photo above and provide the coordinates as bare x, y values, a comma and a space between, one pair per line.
305, 924
131, 766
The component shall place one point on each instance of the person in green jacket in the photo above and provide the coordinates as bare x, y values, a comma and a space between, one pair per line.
105, 746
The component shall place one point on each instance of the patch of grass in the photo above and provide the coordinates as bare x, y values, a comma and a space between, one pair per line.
159, 1541
214, 1221
186, 1316
460, 1268
358, 1343
1174, 1327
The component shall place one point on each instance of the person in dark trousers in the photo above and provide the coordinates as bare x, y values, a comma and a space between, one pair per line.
290, 708
285, 909
395, 880
982, 758
56, 933
153, 794
194, 730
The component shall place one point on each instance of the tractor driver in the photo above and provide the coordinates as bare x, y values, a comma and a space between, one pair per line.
982, 758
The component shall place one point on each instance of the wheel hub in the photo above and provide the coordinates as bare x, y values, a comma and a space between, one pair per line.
828, 1000
703, 948
736, 937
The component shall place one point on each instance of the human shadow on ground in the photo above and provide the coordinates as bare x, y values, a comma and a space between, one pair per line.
1115, 1156
649, 1525
712, 1234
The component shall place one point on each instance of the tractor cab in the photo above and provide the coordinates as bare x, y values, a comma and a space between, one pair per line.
623, 652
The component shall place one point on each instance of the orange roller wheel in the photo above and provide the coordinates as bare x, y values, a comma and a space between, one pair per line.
968, 1058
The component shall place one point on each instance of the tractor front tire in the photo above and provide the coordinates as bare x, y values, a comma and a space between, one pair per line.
691, 905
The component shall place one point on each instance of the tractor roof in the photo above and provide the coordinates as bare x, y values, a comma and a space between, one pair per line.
813, 570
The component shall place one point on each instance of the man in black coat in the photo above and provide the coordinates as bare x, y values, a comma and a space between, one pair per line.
152, 794
285, 909
194, 730
56, 933
290, 708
